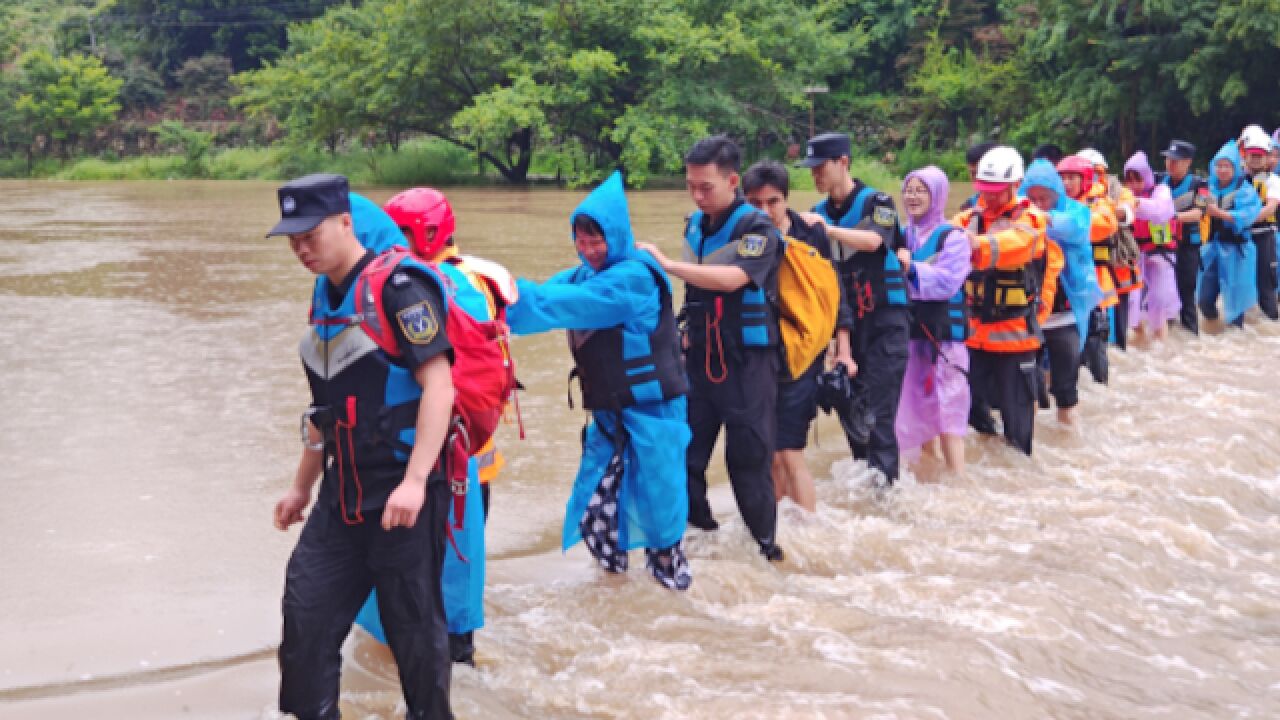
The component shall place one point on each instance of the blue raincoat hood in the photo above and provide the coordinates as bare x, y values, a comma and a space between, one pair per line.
1247, 203
374, 228
607, 205
1229, 151
1041, 173
1069, 224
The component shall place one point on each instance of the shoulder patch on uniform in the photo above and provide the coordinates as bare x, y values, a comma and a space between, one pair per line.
399, 279
884, 216
882, 197
418, 321
752, 245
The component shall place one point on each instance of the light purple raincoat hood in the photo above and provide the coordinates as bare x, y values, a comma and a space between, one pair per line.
1139, 164
939, 187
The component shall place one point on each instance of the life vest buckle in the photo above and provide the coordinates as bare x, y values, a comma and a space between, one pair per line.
306, 420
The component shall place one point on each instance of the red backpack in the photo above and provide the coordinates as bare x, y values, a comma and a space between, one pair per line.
484, 375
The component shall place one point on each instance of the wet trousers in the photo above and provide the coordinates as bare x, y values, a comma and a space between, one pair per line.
1187, 268
329, 576
1007, 382
1062, 348
880, 347
1095, 346
1266, 242
744, 404
1120, 321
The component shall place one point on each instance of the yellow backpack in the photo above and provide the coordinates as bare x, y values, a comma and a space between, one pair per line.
808, 303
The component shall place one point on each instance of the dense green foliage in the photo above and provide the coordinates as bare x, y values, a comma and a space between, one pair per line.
572, 88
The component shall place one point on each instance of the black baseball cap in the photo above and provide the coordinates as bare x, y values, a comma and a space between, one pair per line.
1180, 150
824, 147
307, 201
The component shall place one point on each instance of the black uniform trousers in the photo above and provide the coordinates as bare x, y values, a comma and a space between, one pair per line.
1007, 382
1120, 321
1265, 240
1095, 346
1187, 270
744, 403
880, 347
1062, 348
329, 577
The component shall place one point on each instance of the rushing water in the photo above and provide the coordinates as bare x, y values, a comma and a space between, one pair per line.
1127, 570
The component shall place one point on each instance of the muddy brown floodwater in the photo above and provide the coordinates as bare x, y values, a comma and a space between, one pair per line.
152, 389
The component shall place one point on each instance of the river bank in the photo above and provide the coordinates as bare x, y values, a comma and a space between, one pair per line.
422, 161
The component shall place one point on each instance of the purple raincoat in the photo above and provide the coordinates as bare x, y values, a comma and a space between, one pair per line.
1158, 303
935, 390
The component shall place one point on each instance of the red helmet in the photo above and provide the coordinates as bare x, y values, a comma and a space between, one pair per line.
1076, 165
417, 209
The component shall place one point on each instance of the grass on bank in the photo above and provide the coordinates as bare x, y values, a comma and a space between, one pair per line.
419, 162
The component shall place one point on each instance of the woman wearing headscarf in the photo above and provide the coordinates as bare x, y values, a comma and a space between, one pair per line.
935, 391
1155, 227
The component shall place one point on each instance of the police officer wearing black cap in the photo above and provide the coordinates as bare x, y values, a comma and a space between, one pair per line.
863, 222
378, 362
1190, 195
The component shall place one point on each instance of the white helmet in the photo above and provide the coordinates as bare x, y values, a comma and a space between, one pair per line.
1000, 167
1255, 138
1094, 157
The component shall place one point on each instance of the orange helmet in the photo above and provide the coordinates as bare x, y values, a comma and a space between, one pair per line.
418, 209
1076, 165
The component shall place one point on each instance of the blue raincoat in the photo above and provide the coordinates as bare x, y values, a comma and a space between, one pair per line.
375, 229
653, 497
1231, 267
1069, 223
463, 582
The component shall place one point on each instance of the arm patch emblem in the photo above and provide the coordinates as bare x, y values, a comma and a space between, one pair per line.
752, 245
418, 321
884, 216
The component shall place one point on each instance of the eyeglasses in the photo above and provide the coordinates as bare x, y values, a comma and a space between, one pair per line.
912, 192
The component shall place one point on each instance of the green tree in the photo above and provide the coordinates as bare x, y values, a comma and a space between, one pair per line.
193, 144
65, 98
394, 67
141, 86
1125, 75
16, 136
311, 89
634, 84
1234, 67
206, 80
166, 33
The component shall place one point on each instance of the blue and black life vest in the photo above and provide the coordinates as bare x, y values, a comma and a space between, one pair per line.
940, 320
873, 279
619, 368
363, 401
1225, 232
1186, 196
745, 317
